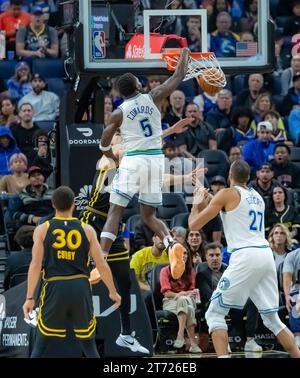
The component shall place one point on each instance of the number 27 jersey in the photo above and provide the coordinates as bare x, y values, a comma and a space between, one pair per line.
244, 226
141, 126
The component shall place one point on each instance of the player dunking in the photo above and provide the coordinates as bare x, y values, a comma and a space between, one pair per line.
62, 247
141, 169
251, 272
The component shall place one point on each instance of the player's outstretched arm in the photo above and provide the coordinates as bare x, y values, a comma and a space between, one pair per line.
164, 90
179, 127
205, 207
114, 122
35, 267
101, 265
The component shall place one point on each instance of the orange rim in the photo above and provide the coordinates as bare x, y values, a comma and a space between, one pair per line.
171, 53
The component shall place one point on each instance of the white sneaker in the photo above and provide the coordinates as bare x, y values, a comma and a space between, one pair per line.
195, 349
130, 342
252, 346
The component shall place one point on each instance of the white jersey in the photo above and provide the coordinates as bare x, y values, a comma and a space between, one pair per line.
141, 126
244, 226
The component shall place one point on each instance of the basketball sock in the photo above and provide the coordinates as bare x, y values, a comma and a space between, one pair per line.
224, 356
121, 273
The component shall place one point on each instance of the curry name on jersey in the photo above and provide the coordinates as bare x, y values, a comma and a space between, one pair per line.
66, 248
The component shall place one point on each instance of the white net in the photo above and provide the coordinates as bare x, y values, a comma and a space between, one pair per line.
206, 66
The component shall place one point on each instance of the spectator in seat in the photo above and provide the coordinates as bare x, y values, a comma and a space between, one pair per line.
193, 33
223, 40
220, 117
234, 154
143, 261
247, 97
12, 20
292, 99
179, 234
175, 114
280, 211
199, 136
248, 23
179, 299
208, 276
143, 236
18, 180
241, 131
260, 150
24, 131
294, 125
35, 200
288, 74
218, 7
19, 259
290, 271
293, 26
8, 113
279, 133
285, 171
196, 241
45, 104
108, 108
280, 242
41, 156
262, 105
37, 40
19, 85
205, 102
264, 182
8, 147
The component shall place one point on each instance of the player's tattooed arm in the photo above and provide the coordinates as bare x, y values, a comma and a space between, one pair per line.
164, 90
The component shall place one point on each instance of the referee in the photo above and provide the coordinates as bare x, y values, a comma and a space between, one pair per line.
62, 247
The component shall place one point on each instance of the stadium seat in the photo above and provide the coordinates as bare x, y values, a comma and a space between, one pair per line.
277, 99
276, 83
46, 125
283, 22
238, 83
167, 321
216, 161
273, 8
56, 85
19, 276
49, 68
7, 69
173, 203
180, 220
130, 225
131, 209
295, 155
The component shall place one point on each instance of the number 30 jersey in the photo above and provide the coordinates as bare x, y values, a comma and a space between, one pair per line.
66, 248
141, 127
244, 226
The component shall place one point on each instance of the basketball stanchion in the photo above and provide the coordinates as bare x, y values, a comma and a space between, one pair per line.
204, 67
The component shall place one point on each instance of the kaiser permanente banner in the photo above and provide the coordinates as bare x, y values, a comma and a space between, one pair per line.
17, 337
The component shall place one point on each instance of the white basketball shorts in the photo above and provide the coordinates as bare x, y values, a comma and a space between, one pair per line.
251, 274
141, 174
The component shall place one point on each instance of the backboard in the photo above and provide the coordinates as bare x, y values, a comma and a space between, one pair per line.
120, 36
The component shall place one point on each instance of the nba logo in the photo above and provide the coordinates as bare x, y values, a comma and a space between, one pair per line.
99, 49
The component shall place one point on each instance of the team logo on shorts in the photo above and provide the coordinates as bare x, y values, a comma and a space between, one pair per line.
224, 283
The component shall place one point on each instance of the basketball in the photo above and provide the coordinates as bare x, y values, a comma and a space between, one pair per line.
206, 79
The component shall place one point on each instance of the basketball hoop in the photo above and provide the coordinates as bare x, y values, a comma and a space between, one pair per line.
202, 66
